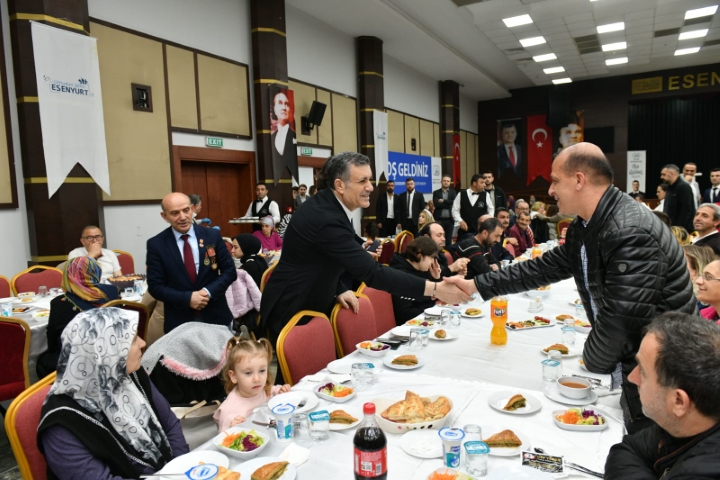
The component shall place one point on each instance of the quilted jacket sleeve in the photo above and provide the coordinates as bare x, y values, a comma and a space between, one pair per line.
633, 457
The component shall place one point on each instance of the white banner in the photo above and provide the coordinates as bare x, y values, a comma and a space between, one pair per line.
380, 128
636, 169
70, 99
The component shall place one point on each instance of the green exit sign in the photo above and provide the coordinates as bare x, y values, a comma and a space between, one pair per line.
306, 151
214, 142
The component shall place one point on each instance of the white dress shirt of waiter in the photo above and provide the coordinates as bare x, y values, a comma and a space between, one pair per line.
260, 201
689, 172
107, 260
477, 185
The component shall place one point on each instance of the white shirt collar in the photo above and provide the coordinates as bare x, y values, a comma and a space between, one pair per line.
191, 233
348, 212
696, 239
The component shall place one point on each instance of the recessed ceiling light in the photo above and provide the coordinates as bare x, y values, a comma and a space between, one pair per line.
611, 27
530, 42
545, 58
701, 12
554, 70
687, 51
616, 61
558, 81
693, 34
517, 21
611, 47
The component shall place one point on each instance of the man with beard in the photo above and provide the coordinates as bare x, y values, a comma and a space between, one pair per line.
435, 231
385, 210
496, 195
679, 201
443, 199
498, 250
706, 223
477, 248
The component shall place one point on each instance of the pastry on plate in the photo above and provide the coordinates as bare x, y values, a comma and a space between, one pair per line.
515, 402
437, 409
341, 416
440, 333
405, 360
564, 316
473, 312
559, 347
506, 438
271, 471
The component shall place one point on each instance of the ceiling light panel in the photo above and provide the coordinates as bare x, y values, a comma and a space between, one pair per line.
531, 42
701, 12
552, 70
693, 34
611, 27
559, 81
544, 58
687, 51
517, 21
611, 47
616, 61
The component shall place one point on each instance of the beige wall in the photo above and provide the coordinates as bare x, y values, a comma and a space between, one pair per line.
344, 124
469, 159
182, 87
325, 131
402, 128
304, 97
223, 90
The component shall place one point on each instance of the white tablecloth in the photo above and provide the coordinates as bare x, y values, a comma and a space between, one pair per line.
468, 370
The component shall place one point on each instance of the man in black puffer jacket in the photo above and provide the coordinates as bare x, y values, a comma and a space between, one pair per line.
627, 265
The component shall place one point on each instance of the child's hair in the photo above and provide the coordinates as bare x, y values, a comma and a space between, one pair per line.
239, 348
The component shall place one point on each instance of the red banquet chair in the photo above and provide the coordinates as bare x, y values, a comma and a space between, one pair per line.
352, 328
5, 290
229, 246
266, 277
305, 349
14, 351
563, 224
403, 240
127, 262
382, 306
448, 256
21, 423
36, 276
510, 248
388, 248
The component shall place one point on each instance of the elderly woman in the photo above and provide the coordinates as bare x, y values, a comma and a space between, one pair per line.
83, 291
418, 259
269, 238
103, 418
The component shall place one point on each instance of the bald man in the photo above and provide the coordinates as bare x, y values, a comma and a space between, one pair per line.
189, 268
627, 265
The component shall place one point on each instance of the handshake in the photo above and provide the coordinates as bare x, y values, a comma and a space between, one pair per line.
453, 289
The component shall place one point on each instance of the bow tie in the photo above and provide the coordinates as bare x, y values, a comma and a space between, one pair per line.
259, 201
475, 193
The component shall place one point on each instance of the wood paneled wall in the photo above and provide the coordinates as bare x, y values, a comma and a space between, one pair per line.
469, 159
402, 128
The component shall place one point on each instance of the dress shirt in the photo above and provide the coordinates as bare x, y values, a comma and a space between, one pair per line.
108, 261
409, 203
714, 194
282, 132
348, 212
696, 192
273, 208
491, 200
473, 200
661, 206
192, 240
696, 239
391, 206
514, 151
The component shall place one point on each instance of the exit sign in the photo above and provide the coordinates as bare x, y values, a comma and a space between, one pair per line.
214, 142
306, 151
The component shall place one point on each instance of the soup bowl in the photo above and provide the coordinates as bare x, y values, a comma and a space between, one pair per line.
573, 387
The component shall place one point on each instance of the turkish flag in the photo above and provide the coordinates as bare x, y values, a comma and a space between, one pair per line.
539, 148
456, 159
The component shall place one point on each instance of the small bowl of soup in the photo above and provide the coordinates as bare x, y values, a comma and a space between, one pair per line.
573, 387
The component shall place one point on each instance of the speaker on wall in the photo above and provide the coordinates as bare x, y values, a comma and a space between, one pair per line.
558, 111
314, 118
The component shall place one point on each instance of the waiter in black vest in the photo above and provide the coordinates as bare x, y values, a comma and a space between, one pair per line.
470, 205
263, 206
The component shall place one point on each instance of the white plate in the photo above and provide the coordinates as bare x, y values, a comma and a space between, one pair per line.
551, 324
574, 351
433, 311
578, 428
355, 412
372, 353
517, 472
343, 366
388, 362
472, 317
183, 463
30, 308
404, 330
581, 362
448, 336
330, 398
217, 441
381, 404
499, 399
552, 393
489, 430
293, 398
538, 293
584, 330
248, 468
428, 441
417, 323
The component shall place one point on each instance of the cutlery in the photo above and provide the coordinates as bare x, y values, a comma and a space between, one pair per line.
160, 475
302, 402
605, 413
584, 470
270, 424
596, 381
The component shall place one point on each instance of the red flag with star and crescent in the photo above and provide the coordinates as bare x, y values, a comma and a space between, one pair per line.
539, 148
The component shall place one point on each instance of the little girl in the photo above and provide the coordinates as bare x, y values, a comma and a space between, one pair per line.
247, 380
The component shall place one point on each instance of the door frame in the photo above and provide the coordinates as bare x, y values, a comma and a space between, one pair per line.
209, 155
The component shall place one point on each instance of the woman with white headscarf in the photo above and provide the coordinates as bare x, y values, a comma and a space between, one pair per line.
269, 238
103, 418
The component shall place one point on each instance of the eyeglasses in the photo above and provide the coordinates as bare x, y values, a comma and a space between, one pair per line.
96, 238
709, 278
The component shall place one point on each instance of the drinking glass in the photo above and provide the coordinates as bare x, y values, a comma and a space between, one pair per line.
476, 458
359, 375
425, 337
42, 291
319, 425
550, 370
579, 312
415, 341
55, 291
444, 317
7, 309
301, 432
455, 319
568, 335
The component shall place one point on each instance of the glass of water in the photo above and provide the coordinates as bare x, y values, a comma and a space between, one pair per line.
301, 432
359, 373
415, 341
444, 317
42, 291
319, 425
476, 458
568, 335
455, 319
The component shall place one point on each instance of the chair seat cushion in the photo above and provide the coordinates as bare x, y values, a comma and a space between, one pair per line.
11, 390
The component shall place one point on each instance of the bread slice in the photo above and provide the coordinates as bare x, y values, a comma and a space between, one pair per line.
515, 402
559, 347
506, 438
437, 409
405, 360
271, 471
341, 416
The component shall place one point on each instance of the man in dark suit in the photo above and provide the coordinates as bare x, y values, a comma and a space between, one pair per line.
679, 201
712, 194
189, 268
496, 194
706, 223
408, 207
443, 199
508, 153
385, 210
320, 245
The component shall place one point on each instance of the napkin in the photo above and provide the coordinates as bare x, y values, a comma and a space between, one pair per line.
336, 378
295, 454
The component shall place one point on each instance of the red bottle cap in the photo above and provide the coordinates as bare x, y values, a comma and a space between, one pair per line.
369, 408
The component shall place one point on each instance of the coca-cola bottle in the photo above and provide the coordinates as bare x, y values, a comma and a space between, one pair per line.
370, 448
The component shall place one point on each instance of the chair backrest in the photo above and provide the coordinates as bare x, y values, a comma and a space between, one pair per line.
403, 240
266, 277
388, 249
382, 306
126, 261
36, 276
448, 256
21, 422
510, 248
563, 224
305, 349
5, 290
141, 308
351, 328
15, 347
229, 246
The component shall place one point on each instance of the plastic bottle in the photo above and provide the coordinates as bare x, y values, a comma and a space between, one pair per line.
498, 315
562, 236
536, 251
370, 448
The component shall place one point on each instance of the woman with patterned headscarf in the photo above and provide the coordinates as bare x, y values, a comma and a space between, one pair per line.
103, 418
83, 291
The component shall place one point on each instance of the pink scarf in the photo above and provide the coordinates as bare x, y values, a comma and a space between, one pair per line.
710, 314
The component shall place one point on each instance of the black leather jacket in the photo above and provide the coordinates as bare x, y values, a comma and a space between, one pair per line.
636, 270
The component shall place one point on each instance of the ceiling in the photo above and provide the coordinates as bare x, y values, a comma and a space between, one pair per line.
467, 41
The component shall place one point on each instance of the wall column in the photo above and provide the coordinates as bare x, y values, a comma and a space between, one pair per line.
449, 124
55, 224
269, 46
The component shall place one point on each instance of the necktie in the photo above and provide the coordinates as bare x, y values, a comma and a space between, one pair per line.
530, 236
512, 156
714, 194
188, 258
409, 204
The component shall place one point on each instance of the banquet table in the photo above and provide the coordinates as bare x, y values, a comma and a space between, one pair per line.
468, 370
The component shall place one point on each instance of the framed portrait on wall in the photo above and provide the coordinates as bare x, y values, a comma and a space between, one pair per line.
282, 126
573, 132
509, 150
